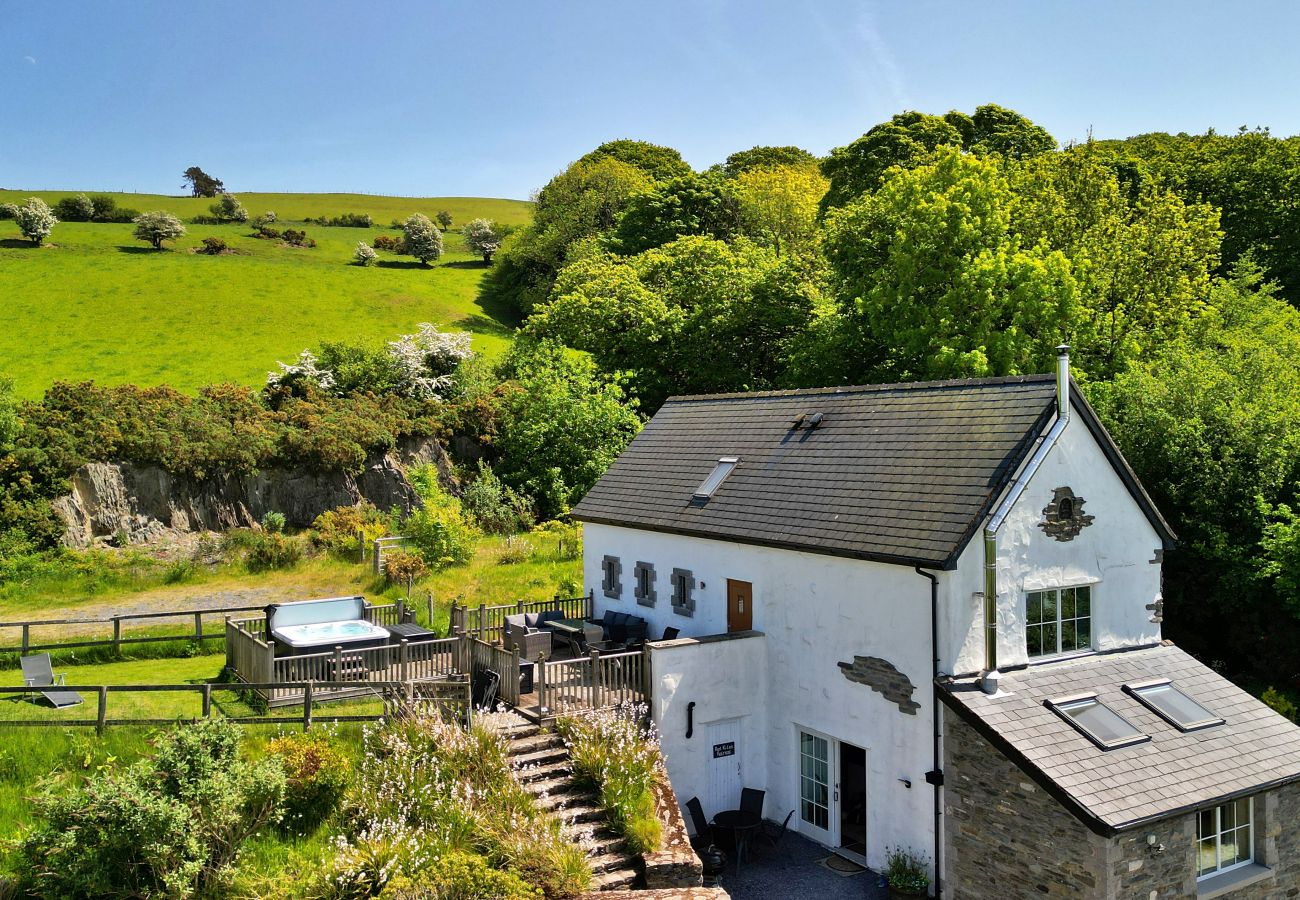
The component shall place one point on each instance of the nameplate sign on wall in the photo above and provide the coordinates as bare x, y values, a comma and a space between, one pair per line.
725, 749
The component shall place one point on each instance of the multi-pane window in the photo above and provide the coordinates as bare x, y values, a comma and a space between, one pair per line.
814, 780
612, 572
1225, 837
645, 584
1058, 621
683, 592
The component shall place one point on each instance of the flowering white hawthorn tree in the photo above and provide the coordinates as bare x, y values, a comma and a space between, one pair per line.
35, 220
304, 370
365, 254
428, 358
229, 209
423, 239
156, 227
481, 238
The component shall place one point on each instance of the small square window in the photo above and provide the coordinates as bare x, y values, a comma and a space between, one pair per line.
1097, 721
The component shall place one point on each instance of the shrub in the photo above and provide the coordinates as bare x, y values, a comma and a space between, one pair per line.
516, 551
271, 551
273, 522
229, 209
438, 529
422, 239
347, 220
336, 530
391, 243
404, 568
906, 870
75, 209
156, 227
365, 255
8, 211
267, 233
481, 238
213, 246
179, 571
1281, 703
316, 777
107, 210
264, 220
494, 506
297, 238
444, 219
35, 220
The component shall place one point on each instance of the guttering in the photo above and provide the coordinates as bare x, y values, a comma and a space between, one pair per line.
935, 775
989, 677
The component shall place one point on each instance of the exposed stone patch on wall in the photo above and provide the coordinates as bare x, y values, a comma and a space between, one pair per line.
881, 676
1063, 517
145, 503
1003, 835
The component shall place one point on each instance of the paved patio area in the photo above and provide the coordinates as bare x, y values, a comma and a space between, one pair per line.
793, 869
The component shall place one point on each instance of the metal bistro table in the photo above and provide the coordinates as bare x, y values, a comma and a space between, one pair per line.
743, 825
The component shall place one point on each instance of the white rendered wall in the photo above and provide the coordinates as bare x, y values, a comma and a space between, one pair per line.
1114, 555
815, 611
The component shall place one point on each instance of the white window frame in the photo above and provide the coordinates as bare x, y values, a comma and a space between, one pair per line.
1092, 618
1218, 840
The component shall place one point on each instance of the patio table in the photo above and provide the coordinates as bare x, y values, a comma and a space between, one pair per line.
742, 824
571, 630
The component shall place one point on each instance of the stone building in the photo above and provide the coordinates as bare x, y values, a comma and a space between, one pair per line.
912, 614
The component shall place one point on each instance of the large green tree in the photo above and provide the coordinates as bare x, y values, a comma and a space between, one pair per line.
688, 204
657, 162
765, 158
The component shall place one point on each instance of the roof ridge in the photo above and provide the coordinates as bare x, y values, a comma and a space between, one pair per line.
901, 386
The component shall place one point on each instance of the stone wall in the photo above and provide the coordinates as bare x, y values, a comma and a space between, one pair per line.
675, 865
143, 503
1002, 829
1003, 835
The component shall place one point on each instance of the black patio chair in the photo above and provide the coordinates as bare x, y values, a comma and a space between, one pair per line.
670, 633
772, 833
703, 830
751, 801
483, 695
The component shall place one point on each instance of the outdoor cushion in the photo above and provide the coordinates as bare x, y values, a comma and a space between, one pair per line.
518, 620
550, 615
530, 619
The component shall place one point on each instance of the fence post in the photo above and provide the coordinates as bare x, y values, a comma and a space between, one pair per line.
645, 672
516, 673
401, 659
306, 707
482, 622
26, 638
591, 604
361, 545
101, 716
379, 569
595, 679
198, 626
541, 684
451, 617
207, 700
519, 605
338, 663
401, 610
117, 636
428, 596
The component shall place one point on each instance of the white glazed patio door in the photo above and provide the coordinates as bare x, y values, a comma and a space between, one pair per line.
818, 793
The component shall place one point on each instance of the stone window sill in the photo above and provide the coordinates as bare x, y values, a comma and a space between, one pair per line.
1218, 885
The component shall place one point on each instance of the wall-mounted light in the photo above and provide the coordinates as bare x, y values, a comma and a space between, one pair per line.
1155, 847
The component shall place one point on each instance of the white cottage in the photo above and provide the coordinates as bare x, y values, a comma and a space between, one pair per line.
838, 565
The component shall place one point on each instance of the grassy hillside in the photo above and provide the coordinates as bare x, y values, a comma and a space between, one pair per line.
295, 207
98, 304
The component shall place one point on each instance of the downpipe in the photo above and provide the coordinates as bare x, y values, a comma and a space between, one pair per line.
935, 776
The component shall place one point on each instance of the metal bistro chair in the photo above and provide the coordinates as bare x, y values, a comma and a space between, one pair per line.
670, 633
751, 801
703, 830
772, 833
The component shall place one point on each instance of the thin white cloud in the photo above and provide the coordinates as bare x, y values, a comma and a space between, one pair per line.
30, 59
883, 57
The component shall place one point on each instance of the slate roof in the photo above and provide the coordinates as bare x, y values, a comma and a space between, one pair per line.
901, 473
1174, 772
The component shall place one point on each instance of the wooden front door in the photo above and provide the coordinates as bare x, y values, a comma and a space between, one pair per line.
740, 605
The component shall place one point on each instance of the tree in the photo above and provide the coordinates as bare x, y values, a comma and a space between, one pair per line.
481, 238
423, 239
766, 158
79, 208
562, 424
778, 205
657, 162
35, 220
156, 227
364, 255
693, 316
201, 184
690, 204
229, 209
444, 219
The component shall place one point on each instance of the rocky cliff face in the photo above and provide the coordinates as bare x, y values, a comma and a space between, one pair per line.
146, 503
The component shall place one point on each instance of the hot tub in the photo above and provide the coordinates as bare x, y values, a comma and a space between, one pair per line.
318, 637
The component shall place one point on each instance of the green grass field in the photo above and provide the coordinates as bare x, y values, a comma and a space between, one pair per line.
99, 305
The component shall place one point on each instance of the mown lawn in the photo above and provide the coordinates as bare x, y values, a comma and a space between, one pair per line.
98, 304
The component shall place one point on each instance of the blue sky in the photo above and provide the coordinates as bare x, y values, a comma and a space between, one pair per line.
451, 98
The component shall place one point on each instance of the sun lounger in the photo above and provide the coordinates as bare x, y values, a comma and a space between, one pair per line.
38, 674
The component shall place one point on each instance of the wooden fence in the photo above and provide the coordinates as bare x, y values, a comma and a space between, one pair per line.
487, 623
27, 644
386, 545
593, 681
451, 694
506, 663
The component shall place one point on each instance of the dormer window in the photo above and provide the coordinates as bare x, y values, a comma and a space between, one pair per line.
710, 485
1058, 621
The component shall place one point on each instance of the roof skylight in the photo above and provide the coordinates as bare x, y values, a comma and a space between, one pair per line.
1172, 705
1097, 721
719, 474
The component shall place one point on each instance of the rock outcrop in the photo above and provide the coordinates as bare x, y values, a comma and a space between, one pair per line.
112, 501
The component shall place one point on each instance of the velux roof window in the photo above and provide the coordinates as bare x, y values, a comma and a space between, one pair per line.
1172, 705
1097, 721
719, 474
